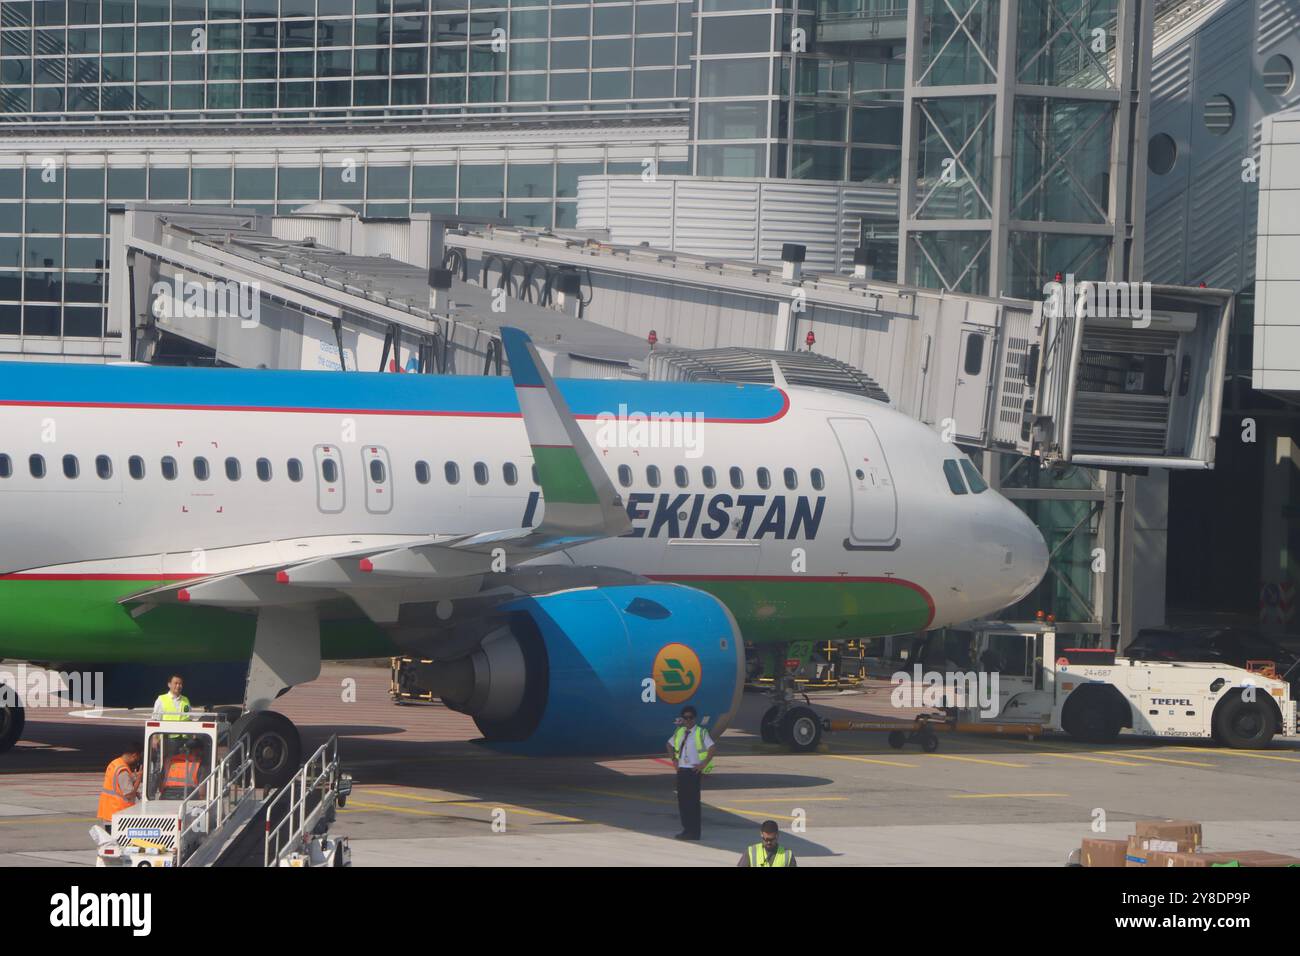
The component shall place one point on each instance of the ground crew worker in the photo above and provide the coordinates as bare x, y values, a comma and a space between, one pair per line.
172, 705
121, 787
769, 852
691, 749
183, 770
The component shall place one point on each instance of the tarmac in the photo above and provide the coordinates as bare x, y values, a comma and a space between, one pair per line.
427, 794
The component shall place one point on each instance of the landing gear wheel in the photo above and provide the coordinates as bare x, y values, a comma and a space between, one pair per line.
1091, 718
12, 718
929, 743
1243, 724
274, 744
801, 731
769, 728
896, 739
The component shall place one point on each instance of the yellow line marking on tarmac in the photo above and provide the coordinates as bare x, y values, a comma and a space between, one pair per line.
1241, 753
883, 763
1138, 756
791, 800
472, 804
621, 796
994, 763
990, 796
1118, 763
750, 813
353, 804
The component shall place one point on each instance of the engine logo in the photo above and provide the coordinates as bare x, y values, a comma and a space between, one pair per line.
677, 673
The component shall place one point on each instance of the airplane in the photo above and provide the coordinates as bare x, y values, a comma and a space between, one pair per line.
578, 559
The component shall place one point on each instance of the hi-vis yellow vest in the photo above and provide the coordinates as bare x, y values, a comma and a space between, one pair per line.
174, 709
679, 736
758, 856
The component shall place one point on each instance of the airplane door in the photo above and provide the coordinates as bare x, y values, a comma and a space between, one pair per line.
379, 480
329, 479
874, 501
971, 392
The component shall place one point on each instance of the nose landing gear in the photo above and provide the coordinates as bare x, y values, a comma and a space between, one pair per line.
795, 726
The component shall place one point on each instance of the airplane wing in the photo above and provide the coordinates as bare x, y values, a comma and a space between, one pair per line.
581, 506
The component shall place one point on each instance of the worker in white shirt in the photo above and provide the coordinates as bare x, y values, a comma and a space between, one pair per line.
172, 705
691, 750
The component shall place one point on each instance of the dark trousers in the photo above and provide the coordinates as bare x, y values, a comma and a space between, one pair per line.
688, 801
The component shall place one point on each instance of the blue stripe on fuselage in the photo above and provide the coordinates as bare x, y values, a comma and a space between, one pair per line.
24, 383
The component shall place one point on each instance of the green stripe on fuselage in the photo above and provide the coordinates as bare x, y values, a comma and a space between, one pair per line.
563, 480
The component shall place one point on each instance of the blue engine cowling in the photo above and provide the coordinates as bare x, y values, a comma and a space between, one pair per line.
605, 670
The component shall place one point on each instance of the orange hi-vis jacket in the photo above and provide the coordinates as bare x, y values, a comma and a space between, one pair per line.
182, 773
111, 799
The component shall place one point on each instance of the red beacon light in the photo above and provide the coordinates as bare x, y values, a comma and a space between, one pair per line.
810, 339
652, 338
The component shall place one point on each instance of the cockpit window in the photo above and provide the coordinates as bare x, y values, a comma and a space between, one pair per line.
977, 483
952, 472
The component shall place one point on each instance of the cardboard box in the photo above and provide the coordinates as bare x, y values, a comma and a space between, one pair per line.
1198, 859
1241, 857
1266, 858
1098, 852
1140, 848
1185, 832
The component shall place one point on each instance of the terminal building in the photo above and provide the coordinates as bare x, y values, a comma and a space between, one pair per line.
888, 185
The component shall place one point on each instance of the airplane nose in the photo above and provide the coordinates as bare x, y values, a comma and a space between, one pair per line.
1026, 551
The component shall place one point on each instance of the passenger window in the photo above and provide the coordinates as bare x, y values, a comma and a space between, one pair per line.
791, 478
510, 473
480, 473
377, 472
169, 468
422, 472
973, 477
233, 471
764, 478
652, 476
953, 473
625, 476
737, 477
681, 476
710, 476
36, 465
6, 466
263, 469
818, 479
71, 467
135, 467
329, 470
451, 471
104, 467
201, 470
294, 468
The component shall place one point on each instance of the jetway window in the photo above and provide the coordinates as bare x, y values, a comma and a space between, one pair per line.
36, 465
510, 473
451, 471
233, 471
135, 467
974, 359
377, 473
104, 467
201, 469
263, 469
710, 476
422, 472
294, 468
791, 479
681, 476
737, 477
652, 476
818, 479
480, 472
973, 477
952, 472
169, 468
625, 476
6, 466
329, 470
71, 467
764, 479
